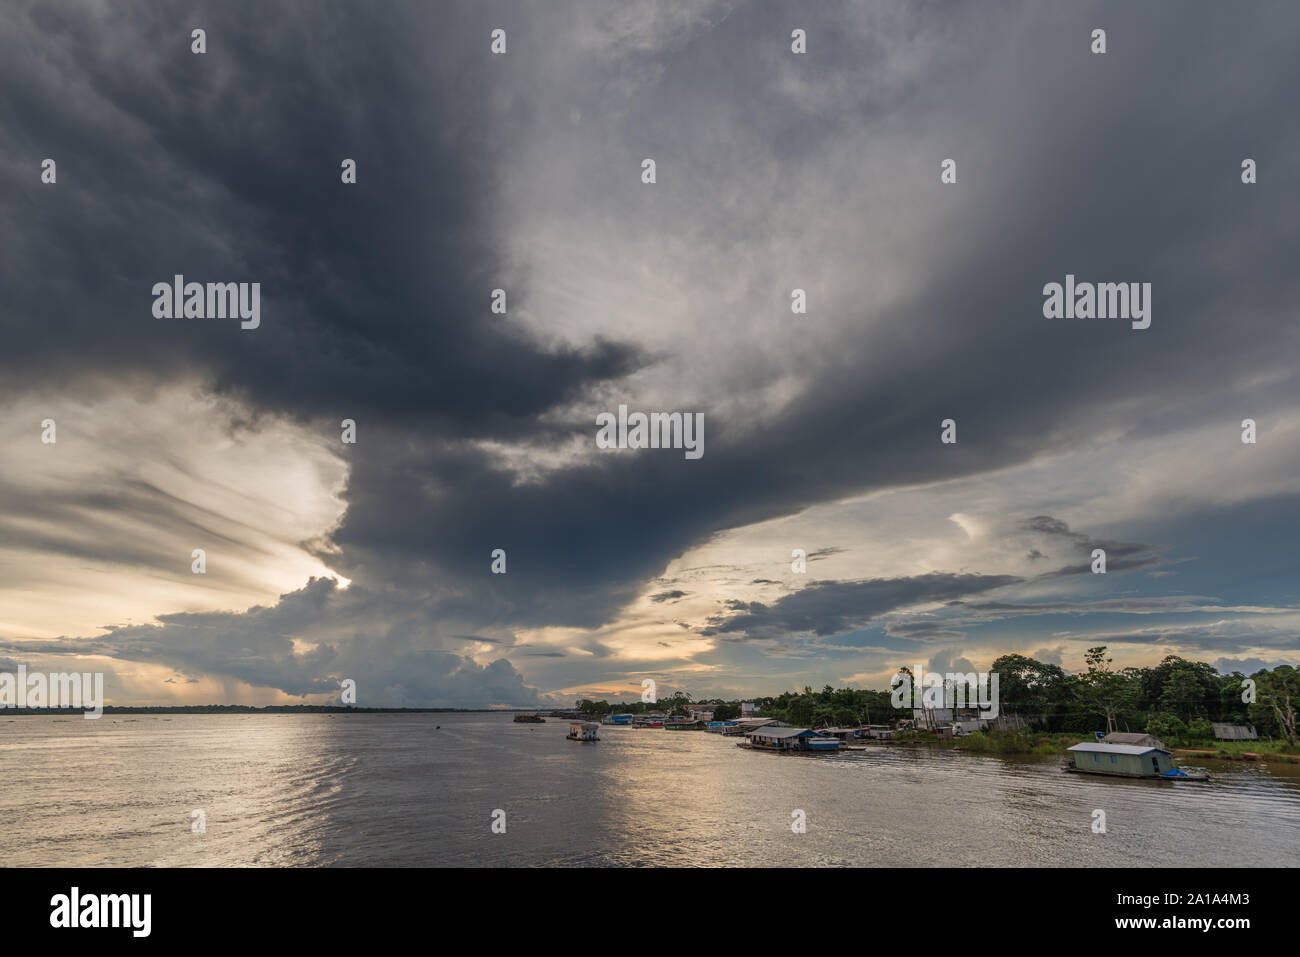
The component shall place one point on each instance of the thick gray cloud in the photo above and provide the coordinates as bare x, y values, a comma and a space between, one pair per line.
386, 646
1248, 666
1051, 199
827, 608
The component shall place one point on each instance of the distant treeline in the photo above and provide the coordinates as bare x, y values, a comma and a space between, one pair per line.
677, 703
1176, 700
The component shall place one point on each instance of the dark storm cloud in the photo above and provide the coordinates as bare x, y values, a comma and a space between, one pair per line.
1203, 639
1046, 525
380, 641
1120, 564
825, 553
971, 344
828, 608
924, 630
225, 167
1120, 556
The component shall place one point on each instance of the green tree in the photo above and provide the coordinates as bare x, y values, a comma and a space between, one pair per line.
726, 711
1031, 688
1169, 728
1278, 697
676, 704
1105, 692
1182, 694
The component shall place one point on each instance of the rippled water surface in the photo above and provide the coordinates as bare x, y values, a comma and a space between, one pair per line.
355, 790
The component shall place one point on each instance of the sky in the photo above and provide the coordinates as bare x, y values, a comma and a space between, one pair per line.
476, 430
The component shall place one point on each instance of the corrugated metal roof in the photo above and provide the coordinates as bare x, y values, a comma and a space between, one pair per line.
779, 732
1240, 732
1105, 748
1133, 737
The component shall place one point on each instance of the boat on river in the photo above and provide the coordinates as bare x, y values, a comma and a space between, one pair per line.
790, 741
1130, 761
583, 731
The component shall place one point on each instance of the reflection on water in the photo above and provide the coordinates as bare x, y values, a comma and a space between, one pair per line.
359, 790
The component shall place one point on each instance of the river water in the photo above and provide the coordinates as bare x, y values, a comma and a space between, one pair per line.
399, 790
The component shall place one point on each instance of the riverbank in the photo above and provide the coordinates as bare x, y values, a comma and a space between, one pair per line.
993, 742
1043, 743
1242, 751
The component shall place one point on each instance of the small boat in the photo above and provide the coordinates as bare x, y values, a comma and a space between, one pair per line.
583, 731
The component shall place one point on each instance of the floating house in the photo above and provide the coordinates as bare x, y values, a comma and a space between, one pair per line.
683, 724
583, 731
789, 740
1122, 760
880, 732
719, 727
846, 735
622, 720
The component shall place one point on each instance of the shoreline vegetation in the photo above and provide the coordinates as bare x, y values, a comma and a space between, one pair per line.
1044, 709
1049, 709
1018, 743
1047, 744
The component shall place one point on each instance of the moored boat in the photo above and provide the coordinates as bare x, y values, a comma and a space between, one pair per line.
791, 741
583, 731
1143, 761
